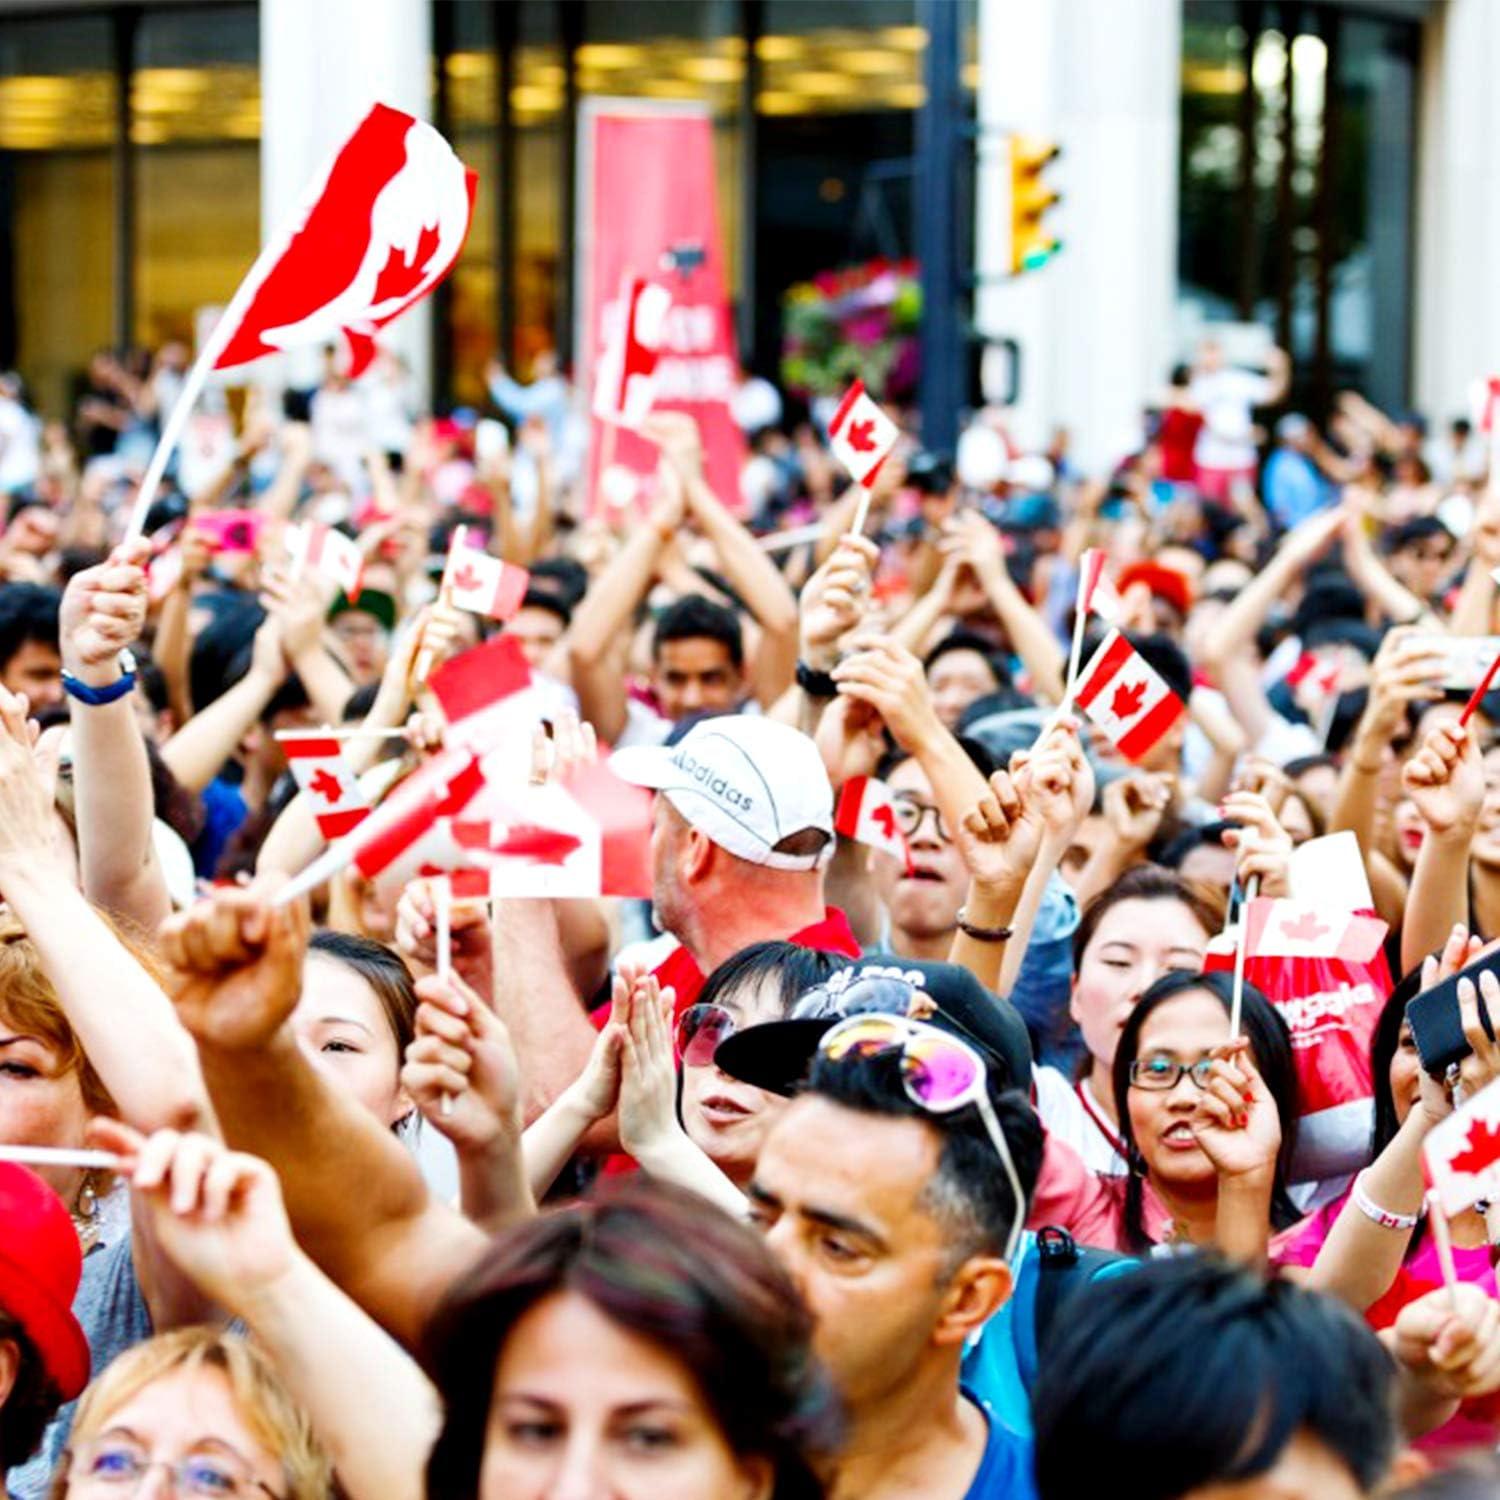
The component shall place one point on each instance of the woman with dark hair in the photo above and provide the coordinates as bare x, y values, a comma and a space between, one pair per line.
723, 1116
356, 1018
1209, 1129
1208, 1125
637, 1344
1370, 1246
1148, 923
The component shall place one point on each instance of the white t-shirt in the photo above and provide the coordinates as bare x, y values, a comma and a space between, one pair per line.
1225, 397
20, 447
1072, 1114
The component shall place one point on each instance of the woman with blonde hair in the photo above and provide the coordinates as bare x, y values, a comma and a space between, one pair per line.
204, 1405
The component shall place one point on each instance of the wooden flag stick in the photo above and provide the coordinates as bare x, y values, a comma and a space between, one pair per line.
1237, 1000
1442, 1237
59, 1156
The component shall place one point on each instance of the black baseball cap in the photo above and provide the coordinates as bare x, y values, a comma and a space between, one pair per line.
778, 1055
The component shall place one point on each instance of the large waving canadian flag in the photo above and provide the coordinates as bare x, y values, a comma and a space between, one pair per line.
378, 231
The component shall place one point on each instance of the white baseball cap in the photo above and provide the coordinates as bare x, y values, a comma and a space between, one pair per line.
745, 781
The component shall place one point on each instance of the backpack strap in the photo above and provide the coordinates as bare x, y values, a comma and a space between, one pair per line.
1062, 1267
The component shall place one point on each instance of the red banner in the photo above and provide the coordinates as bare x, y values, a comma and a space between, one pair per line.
649, 208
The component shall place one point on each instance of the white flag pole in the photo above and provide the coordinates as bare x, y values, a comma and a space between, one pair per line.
1237, 1000
59, 1156
442, 908
1442, 1238
861, 512
328, 864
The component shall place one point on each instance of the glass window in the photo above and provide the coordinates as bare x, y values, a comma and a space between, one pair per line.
473, 94
57, 183
538, 80
195, 119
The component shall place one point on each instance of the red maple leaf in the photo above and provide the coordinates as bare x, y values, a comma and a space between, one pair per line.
885, 820
465, 578
1126, 703
543, 846
1482, 1150
399, 276
862, 436
325, 785
1304, 929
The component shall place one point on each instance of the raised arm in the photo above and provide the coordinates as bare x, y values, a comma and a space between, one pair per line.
280, 497
1376, 581
172, 647
123, 1020
979, 543
1229, 650
103, 610
605, 612
1445, 779
1474, 609
218, 1216
301, 604
755, 577
354, 1194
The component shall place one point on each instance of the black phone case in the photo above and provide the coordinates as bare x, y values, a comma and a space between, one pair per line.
1433, 1018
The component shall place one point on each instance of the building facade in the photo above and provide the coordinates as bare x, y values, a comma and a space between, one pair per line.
1318, 167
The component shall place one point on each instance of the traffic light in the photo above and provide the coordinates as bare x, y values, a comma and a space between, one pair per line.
1031, 245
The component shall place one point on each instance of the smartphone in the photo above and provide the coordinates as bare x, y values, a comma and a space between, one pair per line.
232, 530
1466, 658
1434, 1020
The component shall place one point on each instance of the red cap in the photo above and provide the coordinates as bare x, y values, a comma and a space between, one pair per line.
1165, 583
40, 1266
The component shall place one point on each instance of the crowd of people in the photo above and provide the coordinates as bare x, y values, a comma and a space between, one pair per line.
825, 1171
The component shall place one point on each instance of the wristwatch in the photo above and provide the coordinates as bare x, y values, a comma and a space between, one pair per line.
86, 692
815, 682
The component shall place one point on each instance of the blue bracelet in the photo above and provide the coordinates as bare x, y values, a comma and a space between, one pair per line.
97, 696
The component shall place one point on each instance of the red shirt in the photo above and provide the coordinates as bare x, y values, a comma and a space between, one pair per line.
680, 969
1176, 436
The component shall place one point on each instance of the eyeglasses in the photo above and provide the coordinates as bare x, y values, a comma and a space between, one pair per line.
940, 1073
1163, 1073
909, 815
700, 1029
117, 1468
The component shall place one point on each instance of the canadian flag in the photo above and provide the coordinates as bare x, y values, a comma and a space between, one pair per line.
861, 434
867, 814
1323, 678
378, 231
1484, 399
588, 835
413, 827
1095, 591
1461, 1155
1295, 929
323, 550
321, 773
476, 581
625, 383
1124, 695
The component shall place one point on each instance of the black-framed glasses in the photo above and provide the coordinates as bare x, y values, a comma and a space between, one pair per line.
910, 813
113, 1466
1162, 1073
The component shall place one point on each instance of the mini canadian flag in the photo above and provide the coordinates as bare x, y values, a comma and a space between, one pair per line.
329, 552
1095, 591
626, 382
867, 814
1461, 1155
317, 763
1323, 677
861, 434
1295, 929
476, 581
1125, 696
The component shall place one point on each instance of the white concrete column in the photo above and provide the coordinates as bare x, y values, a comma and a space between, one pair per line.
322, 65
1457, 334
1101, 77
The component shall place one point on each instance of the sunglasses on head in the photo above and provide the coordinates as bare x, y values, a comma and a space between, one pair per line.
940, 1073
